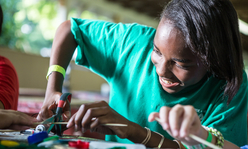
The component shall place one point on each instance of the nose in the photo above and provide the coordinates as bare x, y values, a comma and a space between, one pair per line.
163, 69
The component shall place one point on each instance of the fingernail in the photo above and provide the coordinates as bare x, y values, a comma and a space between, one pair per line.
175, 132
83, 130
76, 128
165, 126
182, 134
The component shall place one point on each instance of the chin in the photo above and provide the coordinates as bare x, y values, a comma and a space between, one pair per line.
171, 91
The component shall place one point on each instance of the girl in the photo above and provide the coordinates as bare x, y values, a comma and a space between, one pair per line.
193, 58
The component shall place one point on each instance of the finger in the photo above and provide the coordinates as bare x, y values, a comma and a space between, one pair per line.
67, 110
164, 117
94, 113
83, 109
152, 116
175, 118
52, 108
71, 122
189, 118
23, 119
18, 127
43, 114
67, 115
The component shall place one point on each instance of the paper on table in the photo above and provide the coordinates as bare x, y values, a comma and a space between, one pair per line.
107, 145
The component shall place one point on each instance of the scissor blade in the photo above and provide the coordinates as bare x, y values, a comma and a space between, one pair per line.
49, 120
50, 128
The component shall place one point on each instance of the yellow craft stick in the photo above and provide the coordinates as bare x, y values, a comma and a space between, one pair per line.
37, 123
204, 141
198, 139
114, 124
107, 124
8, 130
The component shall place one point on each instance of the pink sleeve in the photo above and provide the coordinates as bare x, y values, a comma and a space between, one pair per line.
9, 85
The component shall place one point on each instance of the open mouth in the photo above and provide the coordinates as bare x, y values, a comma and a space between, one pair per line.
167, 83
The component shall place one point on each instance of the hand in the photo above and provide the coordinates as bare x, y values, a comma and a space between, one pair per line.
50, 105
180, 121
16, 120
93, 115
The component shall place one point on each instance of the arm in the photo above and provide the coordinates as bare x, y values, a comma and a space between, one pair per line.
16, 120
92, 116
62, 50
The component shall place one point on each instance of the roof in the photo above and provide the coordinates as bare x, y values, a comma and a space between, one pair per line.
153, 8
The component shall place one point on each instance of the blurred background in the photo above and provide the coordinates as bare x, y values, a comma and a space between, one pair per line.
30, 25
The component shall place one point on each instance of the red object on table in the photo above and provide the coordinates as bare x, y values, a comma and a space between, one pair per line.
79, 144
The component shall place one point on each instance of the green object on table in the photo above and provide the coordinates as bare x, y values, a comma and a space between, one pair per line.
118, 147
51, 138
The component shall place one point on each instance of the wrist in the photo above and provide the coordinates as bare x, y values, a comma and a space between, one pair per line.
55, 68
136, 133
218, 138
55, 83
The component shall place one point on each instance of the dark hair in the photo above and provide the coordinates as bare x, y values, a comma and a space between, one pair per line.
211, 31
1, 19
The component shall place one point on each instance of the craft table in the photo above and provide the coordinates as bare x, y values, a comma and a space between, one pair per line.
32, 105
93, 143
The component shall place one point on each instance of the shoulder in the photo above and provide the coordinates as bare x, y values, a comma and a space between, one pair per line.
5, 61
109, 25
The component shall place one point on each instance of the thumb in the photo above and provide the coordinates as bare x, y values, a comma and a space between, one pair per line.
67, 115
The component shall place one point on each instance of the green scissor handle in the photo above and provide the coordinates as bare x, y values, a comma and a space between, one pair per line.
59, 110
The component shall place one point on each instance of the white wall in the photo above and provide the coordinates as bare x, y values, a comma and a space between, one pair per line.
32, 69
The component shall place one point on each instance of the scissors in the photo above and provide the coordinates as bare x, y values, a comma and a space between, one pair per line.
57, 116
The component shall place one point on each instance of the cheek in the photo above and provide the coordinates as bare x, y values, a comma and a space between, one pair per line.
191, 77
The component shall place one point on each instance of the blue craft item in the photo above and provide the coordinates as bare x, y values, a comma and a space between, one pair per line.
244, 147
37, 137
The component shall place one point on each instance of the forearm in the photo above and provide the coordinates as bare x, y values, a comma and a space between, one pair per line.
139, 134
63, 48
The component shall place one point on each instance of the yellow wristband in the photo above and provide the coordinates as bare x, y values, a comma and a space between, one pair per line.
56, 68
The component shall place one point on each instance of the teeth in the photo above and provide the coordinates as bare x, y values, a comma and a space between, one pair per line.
167, 82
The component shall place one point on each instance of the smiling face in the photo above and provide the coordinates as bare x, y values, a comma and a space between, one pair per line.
175, 64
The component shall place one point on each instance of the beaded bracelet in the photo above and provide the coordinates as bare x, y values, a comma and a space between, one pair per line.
219, 136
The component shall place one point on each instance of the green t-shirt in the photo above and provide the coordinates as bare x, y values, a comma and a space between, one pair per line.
121, 54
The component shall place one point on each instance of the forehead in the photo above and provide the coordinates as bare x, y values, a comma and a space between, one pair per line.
170, 38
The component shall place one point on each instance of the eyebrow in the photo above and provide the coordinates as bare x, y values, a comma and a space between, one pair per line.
175, 59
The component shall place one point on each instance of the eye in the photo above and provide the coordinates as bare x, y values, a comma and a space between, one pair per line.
156, 51
182, 67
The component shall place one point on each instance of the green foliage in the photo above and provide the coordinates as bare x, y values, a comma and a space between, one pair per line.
28, 24
9, 27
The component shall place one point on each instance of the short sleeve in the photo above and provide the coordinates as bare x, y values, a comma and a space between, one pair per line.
9, 85
102, 45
